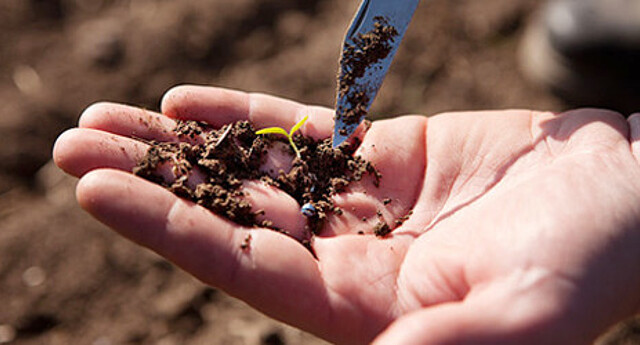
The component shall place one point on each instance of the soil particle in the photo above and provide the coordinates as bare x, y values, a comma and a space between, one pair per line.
233, 153
246, 244
402, 219
381, 229
273, 338
268, 224
357, 57
189, 129
386, 201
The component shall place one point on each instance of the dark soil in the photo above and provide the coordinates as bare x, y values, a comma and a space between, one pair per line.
234, 153
59, 56
367, 49
381, 229
225, 157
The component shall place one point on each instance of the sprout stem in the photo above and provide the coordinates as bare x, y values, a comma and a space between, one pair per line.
289, 135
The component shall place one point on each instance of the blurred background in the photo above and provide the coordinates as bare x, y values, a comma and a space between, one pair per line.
64, 278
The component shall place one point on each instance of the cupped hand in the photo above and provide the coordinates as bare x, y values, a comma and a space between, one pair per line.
523, 227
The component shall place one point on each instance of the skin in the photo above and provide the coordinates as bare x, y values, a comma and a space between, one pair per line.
525, 225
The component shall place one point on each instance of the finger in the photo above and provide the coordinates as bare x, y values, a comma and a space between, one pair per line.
634, 135
128, 121
218, 106
278, 208
532, 306
268, 270
466, 323
78, 151
576, 129
360, 215
396, 148
452, 323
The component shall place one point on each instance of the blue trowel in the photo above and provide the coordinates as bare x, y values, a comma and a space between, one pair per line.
368, 49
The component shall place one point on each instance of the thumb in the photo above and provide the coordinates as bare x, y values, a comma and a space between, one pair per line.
451, 323
494, 316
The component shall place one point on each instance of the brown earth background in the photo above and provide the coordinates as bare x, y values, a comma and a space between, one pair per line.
66, 279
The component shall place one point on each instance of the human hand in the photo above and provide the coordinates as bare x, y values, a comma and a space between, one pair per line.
525, 225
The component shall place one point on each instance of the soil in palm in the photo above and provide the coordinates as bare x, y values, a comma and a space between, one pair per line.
208, 166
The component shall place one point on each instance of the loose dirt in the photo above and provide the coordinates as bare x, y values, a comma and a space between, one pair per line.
223, 158
365, 50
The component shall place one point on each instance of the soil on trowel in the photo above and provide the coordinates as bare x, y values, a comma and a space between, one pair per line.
365, 50
209, 165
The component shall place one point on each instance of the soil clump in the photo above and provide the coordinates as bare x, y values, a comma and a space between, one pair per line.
209, 165
366, 50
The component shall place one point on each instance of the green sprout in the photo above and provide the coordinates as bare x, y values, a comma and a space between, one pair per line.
279, 130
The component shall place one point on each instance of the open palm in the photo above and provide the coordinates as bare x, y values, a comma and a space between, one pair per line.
522, 227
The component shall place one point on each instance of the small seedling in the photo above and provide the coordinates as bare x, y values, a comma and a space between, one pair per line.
280, 130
